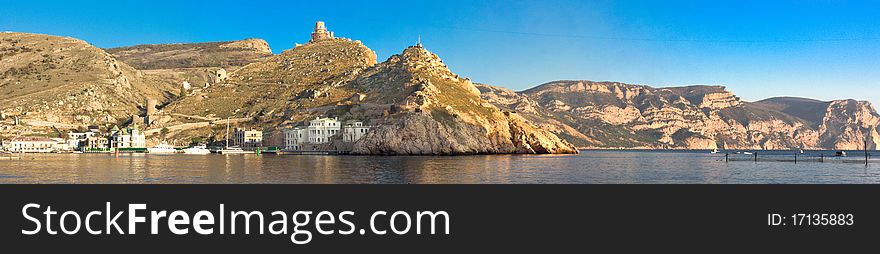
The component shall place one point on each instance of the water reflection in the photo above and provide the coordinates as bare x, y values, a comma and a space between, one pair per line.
588, 167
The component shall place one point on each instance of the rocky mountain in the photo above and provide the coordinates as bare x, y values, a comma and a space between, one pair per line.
617, 115
228, 55
415, 104
430, 110
50, 83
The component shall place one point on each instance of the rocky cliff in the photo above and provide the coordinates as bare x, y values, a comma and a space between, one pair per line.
430, 110
229, 55
58, 82
616, 115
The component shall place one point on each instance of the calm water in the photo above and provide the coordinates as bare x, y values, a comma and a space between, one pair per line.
587, 167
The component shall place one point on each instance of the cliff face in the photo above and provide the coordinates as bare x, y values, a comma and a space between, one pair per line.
49, 81
848, 124
230, 54
433, 111
616, 115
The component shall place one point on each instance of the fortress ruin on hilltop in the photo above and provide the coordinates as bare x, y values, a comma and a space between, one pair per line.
321, 32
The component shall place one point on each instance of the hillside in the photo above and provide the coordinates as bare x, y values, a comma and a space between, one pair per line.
273, 90
230, 55
430, 110
52, 83
617, 115
281, 90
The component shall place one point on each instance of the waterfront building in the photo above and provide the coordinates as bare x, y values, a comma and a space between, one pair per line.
353, 131
295, 138
76, 140
247, 138
61, 145
130, 137
32, 145
323, 131
96, 142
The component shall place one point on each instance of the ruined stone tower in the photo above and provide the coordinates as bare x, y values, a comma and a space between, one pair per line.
150, 115
321, 32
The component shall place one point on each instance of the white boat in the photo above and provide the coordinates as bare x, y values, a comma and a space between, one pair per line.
199, 149
714, 151
233, 150
164, 148
840, 154
748, 153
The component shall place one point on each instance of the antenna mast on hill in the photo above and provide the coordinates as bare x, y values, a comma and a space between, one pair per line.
419, 43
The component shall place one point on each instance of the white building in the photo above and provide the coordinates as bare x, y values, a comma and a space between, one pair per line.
130, 137
322, 131
32, 145
295, 138
354, 131
247, 138
78, 140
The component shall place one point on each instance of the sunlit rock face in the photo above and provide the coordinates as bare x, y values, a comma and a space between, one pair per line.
617, 115
433, 111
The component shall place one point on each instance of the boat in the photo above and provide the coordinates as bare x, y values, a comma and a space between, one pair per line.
163, 148
714, 151
199, 149
840, 154
231, 150
748, 153
234, 150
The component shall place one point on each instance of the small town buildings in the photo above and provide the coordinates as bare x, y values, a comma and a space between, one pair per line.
76, 140
130, 137
323, 131
353, 131
32, 145
97, 142
61, 145
247, 138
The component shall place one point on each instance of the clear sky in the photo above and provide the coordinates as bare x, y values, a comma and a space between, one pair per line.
758, 49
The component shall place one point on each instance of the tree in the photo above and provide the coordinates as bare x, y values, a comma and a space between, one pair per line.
164, 132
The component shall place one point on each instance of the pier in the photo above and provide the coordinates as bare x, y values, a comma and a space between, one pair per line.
796, 157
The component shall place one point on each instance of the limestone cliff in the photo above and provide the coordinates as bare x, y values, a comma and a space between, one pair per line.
430, 110
616, 115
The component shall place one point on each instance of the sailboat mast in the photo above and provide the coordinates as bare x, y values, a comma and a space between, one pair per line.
227, 132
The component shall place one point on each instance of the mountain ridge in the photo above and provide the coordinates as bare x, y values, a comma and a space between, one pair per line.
411, 94
618, 115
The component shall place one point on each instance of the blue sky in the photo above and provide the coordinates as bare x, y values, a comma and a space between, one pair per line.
758, 49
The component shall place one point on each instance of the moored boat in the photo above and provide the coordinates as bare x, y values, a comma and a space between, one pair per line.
163, 148
234, 150
199, 149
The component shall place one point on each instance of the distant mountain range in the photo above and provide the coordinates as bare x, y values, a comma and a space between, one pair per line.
416, 104
616, 115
